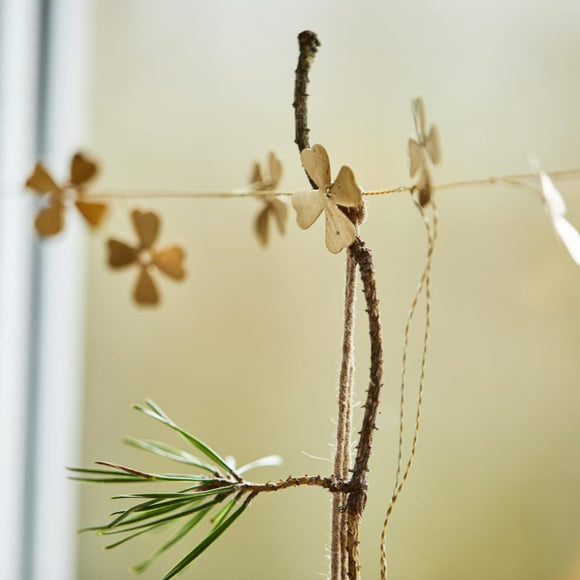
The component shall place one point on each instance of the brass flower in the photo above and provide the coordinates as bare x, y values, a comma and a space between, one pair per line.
50, 220
168, 259
556, 209
427, 146
274, 208
340, 231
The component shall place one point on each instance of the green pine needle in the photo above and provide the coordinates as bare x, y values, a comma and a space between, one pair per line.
169, 452
186, 507
206, 543
156, 413
187, 527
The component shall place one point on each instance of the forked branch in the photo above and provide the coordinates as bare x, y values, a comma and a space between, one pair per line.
346, 565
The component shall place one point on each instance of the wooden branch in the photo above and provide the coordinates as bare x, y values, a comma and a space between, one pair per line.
308, 46
345, 526
329, 483
357, 498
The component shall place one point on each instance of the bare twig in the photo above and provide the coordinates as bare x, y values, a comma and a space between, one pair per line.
333, 485
308, 44
329, 483
338, 547
345, 526
357, 498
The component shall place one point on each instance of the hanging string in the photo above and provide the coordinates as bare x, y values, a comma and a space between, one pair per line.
431, 228
6, 191
241, 193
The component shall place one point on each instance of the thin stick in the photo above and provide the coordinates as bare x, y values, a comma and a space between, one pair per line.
357, 498
346, 526
328, 483
308, 45
339, 559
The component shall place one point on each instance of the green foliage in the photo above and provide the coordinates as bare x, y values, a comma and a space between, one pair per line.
219, 490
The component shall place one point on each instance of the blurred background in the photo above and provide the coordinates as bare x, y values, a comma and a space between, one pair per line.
245, 352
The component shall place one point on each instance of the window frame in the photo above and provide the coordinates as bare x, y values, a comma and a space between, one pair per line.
44, 57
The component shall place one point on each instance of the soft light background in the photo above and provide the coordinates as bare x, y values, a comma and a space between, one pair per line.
246, 351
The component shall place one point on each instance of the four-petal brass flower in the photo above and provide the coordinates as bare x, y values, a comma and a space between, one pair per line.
274, 208
168, 259
50, 219
425, 147
556, 209
340, 231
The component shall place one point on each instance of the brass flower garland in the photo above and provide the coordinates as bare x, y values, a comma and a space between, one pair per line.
329, 195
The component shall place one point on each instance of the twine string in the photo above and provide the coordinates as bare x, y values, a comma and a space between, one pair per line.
128, 194
431, 228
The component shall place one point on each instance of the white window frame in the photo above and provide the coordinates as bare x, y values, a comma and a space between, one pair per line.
44, 56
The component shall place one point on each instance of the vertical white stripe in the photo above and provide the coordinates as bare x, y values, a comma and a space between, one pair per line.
19, 76
62, 307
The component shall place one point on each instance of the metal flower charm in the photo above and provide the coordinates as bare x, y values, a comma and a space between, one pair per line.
340, 231
556, 209
274, 208
168, 259
50, 219
425, 147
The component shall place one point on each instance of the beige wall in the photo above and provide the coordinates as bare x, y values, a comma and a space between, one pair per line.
246, 351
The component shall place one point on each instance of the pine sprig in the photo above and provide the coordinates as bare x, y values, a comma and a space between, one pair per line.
154, 411
218, 491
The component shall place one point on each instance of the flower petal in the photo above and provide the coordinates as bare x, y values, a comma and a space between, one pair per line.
92, 212
340, 231
145, 290
569, 236
418, 110
261, 225
170, 261
344, 190
308, 206
82, 169
256, 179
432, 145
316, 163
416, 159
275, 168
50, 220
121, 254
147, 226
553, 199
280, 212
41, 181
